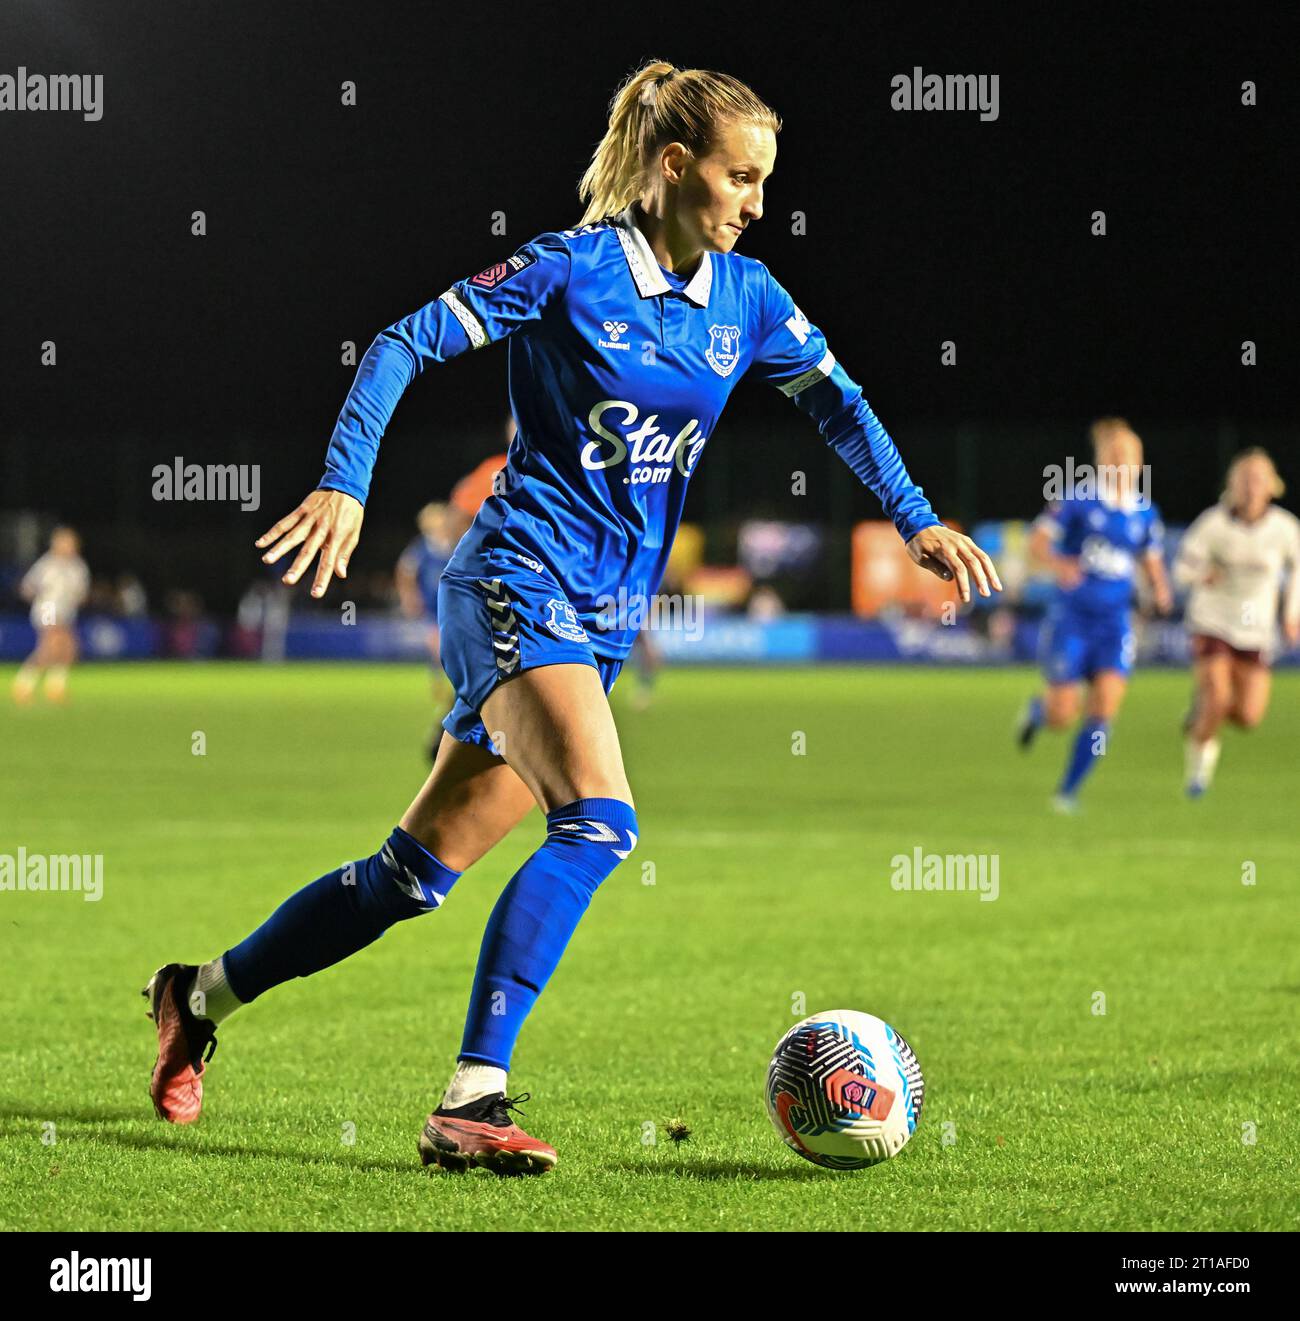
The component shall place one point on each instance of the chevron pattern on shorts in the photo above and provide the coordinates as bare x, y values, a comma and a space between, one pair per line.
505, 627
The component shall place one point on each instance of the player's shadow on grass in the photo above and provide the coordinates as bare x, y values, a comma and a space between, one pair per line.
182, 1140
144, 1142
191, 1142
64, 1114
684, 1167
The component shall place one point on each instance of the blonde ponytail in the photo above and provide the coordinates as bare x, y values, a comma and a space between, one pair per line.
659, 104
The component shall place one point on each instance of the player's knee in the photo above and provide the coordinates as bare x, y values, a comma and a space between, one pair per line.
596, 834
1061, 715
1216, 705
1245, 717
401, 881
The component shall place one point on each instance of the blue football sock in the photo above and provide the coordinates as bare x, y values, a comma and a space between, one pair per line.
1036, 713
1089, 744
535, 917
339, 914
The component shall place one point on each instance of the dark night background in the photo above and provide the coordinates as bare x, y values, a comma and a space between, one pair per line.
326, 223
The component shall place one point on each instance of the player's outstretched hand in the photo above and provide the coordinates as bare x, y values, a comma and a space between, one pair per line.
326, 521
952, 555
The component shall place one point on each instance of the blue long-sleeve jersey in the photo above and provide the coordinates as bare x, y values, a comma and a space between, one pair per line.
1109, 540
618, 373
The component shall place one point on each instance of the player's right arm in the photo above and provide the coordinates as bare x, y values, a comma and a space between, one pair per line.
31, 580
1045, 537
1291, 597
475, 312
1195, 564
407, 582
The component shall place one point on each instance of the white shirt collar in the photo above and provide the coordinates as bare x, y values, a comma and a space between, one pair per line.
645, 268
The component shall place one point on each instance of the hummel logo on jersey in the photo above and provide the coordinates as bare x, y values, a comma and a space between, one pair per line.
614, 329
723, 352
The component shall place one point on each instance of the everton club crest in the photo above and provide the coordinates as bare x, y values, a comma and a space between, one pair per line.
724, 349
562, 620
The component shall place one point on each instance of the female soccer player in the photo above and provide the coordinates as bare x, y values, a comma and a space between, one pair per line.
56, 585
1233, 558
1094, 544
416, 577
626, 336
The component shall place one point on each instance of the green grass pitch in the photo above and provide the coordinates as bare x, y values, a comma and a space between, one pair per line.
771, 899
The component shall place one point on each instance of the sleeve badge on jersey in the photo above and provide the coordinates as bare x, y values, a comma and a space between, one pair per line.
502, 271
798, 326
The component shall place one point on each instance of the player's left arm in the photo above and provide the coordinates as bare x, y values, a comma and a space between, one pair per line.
82, 590
27, 587
792, 355
1053, 529
1194, 563
1291, 598
1153, 562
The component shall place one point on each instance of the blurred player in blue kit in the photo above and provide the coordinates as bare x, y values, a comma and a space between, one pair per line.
417, 576
626, 336
1094, 543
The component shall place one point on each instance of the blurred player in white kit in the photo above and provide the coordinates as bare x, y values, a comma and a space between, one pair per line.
56, 585
1233, 557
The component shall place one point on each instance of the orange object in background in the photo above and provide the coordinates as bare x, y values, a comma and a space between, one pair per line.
476, 486
686, 556
721, 585
883, 575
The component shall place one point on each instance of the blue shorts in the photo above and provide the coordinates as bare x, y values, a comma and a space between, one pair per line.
493, 627
1075, 647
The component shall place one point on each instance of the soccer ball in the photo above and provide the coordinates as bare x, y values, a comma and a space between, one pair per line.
844, 1090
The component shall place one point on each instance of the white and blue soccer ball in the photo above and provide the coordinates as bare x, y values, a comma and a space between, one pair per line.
844, 1090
